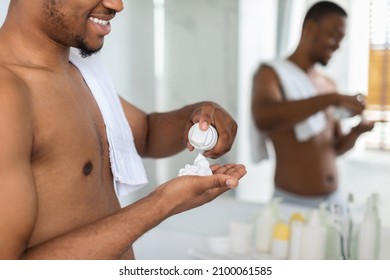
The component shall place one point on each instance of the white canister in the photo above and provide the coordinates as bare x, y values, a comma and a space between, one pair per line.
240, 238
264, 228
280, 240
314, 238
296, 232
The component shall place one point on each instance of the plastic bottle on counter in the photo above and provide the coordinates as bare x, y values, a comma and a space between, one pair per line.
314, 238
333, 249
280, 240
296, 229
265, 223
369, 231
240, 238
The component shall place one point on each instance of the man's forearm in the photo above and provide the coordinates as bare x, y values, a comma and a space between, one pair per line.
346, 142
284, 115
108, 238
166, 131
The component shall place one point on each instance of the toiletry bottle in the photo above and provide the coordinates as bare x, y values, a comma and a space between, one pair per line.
296, 228
333, 232
265, 223
280, 240
314, 238
202, 141
240, 238
378, 223
369, 232
350, 237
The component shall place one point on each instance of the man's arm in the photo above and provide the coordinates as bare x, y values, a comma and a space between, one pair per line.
18, 198
344, 143
160, 135
110, 237
271, 112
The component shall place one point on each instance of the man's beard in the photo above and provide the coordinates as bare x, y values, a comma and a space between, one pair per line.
84, 50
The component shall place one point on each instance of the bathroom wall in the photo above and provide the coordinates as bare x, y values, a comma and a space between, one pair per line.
3, 9
201, 40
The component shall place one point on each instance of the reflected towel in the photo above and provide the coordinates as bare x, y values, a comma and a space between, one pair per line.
258, 139
126, 165
296, 86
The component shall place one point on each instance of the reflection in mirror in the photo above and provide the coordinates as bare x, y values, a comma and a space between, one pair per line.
200, 41
362, 170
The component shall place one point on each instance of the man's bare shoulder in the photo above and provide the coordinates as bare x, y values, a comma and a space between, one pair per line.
264, 70
14, 97
266, 84
12, 85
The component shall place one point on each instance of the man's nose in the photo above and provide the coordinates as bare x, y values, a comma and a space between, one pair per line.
334, 43
115, 5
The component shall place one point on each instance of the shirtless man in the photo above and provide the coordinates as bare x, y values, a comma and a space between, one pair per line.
57, 199
307, 169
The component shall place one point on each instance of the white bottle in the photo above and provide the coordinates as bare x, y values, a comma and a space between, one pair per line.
280, 240
264, 227
240, 238
333, 249
296, 232
314, 238
203, 140
367, 238
369, 232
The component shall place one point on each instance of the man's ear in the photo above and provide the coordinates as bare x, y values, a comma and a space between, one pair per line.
310, 26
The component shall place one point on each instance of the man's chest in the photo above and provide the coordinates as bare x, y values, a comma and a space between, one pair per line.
67, 119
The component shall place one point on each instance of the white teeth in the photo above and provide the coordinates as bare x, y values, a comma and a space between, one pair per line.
99, 21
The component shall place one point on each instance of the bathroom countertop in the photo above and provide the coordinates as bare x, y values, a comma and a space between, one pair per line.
184, 236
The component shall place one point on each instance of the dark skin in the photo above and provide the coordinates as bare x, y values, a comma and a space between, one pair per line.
307, 168
57, 199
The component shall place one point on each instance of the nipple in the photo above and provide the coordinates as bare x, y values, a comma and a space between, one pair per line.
87, 169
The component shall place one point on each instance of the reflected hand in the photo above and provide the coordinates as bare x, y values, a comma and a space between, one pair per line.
363, 126
210, 113
355, 103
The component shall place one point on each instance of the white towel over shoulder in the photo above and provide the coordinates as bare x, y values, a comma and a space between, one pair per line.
126, 165
296, 86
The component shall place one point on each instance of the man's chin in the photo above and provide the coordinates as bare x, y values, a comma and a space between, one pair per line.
84, 52
324, 62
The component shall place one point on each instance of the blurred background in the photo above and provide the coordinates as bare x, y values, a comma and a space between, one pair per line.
164, 54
